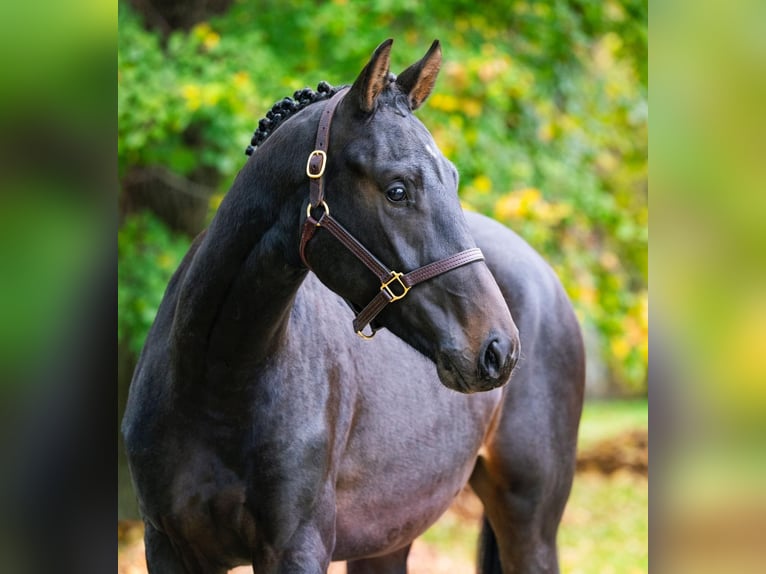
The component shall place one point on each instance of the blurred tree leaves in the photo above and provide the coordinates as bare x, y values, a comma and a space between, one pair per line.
542, 106
148, 254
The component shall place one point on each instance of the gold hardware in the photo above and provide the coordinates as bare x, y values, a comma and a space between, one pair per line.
395, 276
367, 337
321, 204
316, 153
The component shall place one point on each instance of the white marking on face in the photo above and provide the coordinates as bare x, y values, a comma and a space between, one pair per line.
431, 151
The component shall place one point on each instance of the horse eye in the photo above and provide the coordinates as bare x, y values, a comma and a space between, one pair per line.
396, 193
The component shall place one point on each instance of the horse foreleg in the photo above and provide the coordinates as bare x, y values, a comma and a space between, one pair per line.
523, 477
163, 558
306, 549
521, 521
309, 553
394, 563
160, 556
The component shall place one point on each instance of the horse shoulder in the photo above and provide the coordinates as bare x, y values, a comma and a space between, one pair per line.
149, 393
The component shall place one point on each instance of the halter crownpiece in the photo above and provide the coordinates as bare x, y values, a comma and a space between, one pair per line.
394, 285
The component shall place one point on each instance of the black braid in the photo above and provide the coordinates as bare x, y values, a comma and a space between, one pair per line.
287, 107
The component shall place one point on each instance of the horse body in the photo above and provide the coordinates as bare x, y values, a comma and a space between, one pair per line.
261, 430
308, 421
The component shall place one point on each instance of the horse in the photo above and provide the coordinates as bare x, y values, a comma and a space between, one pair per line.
261, 428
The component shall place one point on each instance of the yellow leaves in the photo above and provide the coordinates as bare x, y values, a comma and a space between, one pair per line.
211, 41
215, 201
241, 79
205, 34
195, 95
517, 204
472, 108
482, 184
478, 186
582, 290
445, 140
545, 132
529, 204
742, 341
634, 332
620, 348
165, 261
211, 94
444, 102
607, 162
555, 125
192, 94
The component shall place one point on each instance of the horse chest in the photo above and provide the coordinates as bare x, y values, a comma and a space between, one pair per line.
396, 445
407, 456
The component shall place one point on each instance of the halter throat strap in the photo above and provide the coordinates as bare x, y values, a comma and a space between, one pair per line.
394, 285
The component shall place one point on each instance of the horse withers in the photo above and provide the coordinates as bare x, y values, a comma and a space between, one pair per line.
261, 429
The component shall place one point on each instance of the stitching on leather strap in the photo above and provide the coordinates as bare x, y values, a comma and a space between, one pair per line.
352, 244
321, 143
442, 266
394, 285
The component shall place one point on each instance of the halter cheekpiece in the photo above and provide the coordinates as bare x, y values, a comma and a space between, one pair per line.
394, 285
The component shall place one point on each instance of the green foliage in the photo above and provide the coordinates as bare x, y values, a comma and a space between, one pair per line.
190, 104
542, 106
43, 265
148, 254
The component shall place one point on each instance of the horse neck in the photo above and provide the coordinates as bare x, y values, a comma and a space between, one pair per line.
235, 299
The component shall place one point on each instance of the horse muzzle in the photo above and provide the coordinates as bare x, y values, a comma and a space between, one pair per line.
464, 371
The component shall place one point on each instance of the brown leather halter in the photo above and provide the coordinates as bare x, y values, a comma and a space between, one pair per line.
394, 285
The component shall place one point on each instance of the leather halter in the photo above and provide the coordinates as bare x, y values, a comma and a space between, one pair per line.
394, 285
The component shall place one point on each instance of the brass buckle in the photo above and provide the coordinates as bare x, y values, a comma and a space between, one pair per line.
312, 155
367, 337
321, 204
395, 276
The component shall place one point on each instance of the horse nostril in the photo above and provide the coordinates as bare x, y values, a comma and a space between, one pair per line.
515, 352
495, 360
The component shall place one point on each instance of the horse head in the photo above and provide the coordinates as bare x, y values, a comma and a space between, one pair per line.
395, 194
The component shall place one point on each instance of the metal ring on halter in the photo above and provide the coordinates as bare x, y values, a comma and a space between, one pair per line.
367, 337
321, 204
395, 276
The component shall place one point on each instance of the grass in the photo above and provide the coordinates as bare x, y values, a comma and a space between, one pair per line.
605, 525
606, 419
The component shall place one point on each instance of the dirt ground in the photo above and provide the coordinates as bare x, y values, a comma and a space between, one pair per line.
628, 452
423, 559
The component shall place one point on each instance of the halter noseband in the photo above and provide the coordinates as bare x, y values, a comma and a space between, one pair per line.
394, 285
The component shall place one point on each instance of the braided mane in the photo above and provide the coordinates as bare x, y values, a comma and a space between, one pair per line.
286, 108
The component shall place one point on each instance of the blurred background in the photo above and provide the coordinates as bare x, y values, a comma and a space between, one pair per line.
557, 84
543, 107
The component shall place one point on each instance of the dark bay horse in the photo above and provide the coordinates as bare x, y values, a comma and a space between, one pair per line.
260, 429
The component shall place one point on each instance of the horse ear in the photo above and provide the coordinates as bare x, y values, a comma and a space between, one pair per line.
373, 78
418, 80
